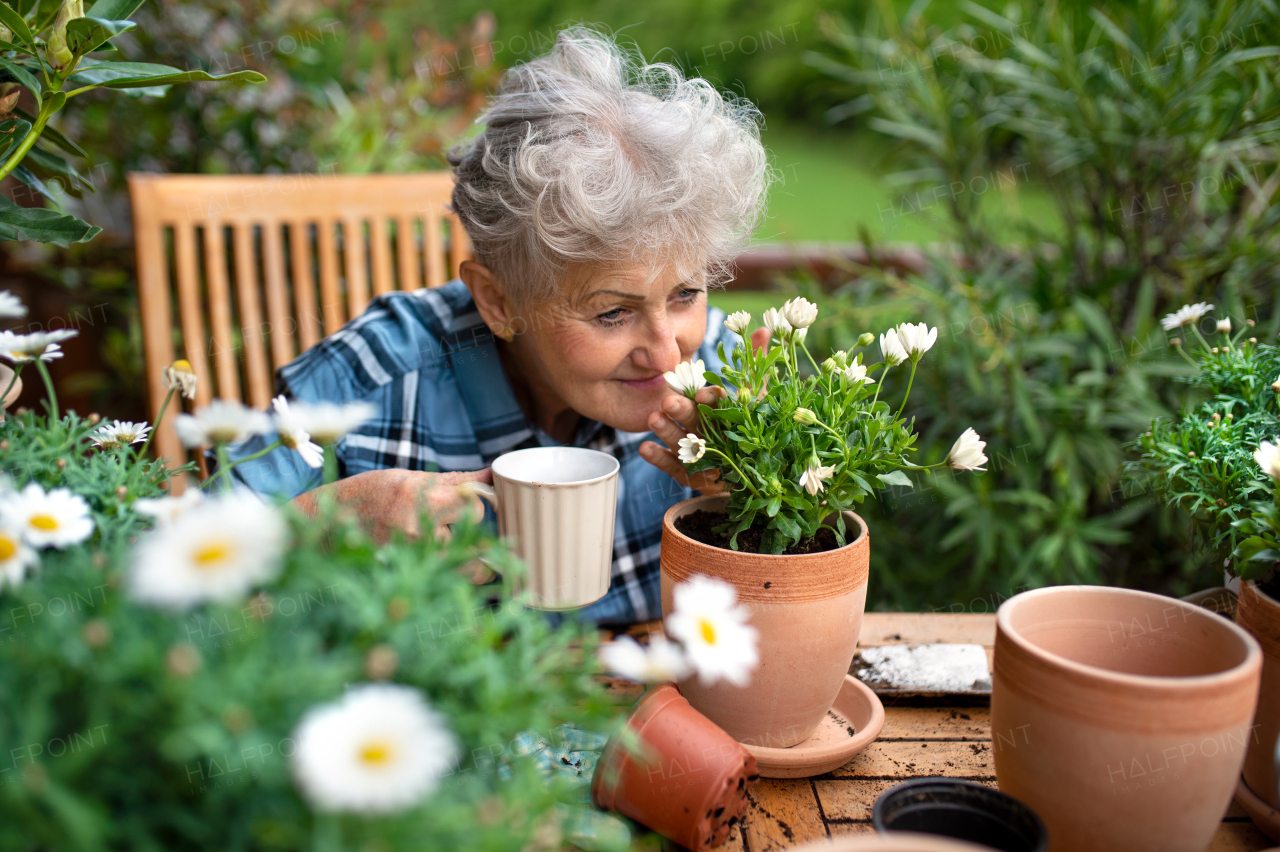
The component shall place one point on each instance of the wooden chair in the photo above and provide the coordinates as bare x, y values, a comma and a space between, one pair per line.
242, 273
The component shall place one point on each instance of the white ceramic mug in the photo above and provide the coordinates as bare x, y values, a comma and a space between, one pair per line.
556, 507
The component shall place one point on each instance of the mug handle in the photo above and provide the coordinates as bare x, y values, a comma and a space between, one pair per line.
479, 489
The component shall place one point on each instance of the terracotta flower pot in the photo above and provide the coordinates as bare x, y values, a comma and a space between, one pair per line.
689, 780
1121, 717
808, 609
1259, 613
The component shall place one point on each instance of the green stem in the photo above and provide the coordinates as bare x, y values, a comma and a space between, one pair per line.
330, 464
745, 481
880, 384
225, 464
17, 368
908, 393
48, 387
1195, 326
23, 147
810, 357
155, 427
1188, 358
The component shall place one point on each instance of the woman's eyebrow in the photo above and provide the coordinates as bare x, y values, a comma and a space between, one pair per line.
639, 297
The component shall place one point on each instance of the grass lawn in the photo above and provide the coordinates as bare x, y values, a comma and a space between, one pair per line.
832, 183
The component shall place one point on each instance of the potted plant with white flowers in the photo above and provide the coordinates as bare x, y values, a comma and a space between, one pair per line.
796, 451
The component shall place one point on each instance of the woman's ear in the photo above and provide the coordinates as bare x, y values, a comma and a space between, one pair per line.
490, 298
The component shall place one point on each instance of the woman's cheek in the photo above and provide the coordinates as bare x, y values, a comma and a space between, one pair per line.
591, 355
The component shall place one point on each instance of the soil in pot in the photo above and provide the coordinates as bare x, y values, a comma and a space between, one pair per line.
700, 526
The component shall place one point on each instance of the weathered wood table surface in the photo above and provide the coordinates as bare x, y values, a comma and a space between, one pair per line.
917, 742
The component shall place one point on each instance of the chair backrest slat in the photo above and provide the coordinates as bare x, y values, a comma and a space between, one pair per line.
240, 273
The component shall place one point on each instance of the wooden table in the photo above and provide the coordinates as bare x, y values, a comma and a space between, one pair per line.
917, 742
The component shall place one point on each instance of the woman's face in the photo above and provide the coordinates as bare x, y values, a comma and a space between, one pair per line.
602, 346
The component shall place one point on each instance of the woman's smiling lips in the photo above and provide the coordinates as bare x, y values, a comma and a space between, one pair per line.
654, 381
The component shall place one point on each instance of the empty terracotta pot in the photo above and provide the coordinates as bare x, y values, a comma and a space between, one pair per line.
1121, 717
683, 777
808, 609
904, 842
1259, 613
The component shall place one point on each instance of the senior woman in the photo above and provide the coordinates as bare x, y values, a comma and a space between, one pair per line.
603, 198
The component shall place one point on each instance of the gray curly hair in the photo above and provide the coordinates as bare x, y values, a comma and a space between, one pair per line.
591, 156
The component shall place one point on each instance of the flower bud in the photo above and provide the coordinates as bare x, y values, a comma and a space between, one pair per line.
804, 415
57, 52
866, 339
1224, 326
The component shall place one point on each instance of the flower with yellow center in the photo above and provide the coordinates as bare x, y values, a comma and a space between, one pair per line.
381, 748
121, 433
180, 375
216, 550
661, 660
57, 518
223, 421
718, 642
15, 556
293, 436
37, 346
324, 422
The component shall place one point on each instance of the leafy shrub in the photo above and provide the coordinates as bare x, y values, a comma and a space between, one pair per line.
128, 726
1052, 350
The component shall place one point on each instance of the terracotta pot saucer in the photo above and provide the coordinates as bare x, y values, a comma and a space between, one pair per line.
1265, 817
852, 723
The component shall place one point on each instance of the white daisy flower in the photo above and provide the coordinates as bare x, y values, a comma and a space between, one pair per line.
214, 551
223, 421
15, 556
1185, 315
179, 374
718, 641
800, 312
327, 422
777, 324
1268, 458
687, 378
738, 322
662, 660
293, 437
120, 433
39, 345
813, 477
857, 373
891, 349
691, 448
967, 452
166, 510
916, 339
380, 748
57, 518
11, 306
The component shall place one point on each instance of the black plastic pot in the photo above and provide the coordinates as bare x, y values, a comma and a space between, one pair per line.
961, 810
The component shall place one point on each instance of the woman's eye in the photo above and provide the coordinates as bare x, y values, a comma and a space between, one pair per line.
612, 318
687, 295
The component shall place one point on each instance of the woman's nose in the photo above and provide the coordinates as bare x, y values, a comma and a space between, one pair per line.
661, 351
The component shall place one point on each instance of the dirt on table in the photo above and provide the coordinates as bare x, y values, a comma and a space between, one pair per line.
699, 526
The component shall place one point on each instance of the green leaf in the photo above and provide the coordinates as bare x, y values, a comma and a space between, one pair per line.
116, 10
21, 74
85, 34
182, 77
44, 226
14, 21
895, 477
8, 45
24, 175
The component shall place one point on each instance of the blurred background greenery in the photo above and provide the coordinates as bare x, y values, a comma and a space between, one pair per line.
1072, 171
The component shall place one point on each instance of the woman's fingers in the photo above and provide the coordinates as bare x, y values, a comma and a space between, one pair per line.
446, 501
705, 481
760, 339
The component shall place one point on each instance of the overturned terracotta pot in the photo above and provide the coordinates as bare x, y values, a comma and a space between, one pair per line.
684, 777
808, 609
1121, 717
1259, 613
898, 842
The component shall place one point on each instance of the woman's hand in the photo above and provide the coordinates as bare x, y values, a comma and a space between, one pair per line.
679, 417
388, 500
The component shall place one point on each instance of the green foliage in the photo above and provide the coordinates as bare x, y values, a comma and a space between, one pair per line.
130, 727
779, 427
1151, 127
1202, 462
48, 55
1258, 554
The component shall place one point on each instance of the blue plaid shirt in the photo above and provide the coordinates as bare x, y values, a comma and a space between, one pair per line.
429, 365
